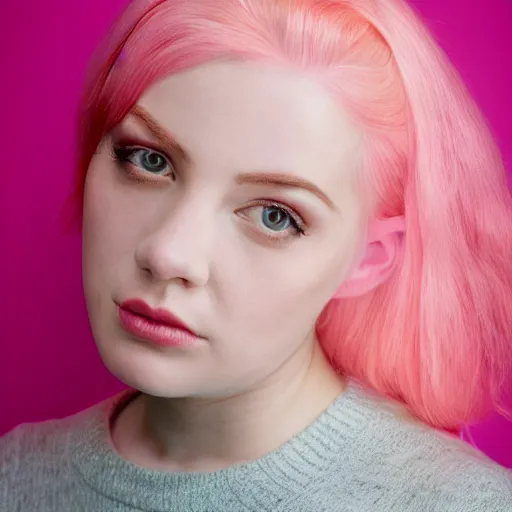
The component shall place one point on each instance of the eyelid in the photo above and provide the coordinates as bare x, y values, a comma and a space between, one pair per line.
128, 142
133, 149
123, 155
300, 228
277, 204
131, 141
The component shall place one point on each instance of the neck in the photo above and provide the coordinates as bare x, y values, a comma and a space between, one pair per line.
196, 435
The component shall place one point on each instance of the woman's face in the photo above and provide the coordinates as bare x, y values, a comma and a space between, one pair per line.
227, 197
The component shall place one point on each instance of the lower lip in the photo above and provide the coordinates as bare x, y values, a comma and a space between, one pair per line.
155, 332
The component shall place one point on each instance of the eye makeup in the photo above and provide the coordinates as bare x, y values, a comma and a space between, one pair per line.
145, 162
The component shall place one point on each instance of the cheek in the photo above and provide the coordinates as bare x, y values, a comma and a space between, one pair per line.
274, 291
97, 217
283, 293
268, 315
108, 230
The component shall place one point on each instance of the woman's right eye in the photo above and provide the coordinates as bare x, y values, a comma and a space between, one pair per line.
144, 160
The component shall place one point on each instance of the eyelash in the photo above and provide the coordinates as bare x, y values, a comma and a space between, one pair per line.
122, 154
297, 223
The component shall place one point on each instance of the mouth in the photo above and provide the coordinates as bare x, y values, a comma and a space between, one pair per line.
154, 325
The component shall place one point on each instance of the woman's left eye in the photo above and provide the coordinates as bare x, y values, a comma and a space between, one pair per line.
277, 221
148, 160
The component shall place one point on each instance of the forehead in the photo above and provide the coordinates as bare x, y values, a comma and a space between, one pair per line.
254, 116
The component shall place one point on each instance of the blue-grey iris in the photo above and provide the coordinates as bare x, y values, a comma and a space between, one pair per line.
153, 162
275, 218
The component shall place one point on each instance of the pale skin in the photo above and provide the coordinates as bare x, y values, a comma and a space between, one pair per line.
191, 234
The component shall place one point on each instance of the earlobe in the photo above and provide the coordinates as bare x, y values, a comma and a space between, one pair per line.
381, 255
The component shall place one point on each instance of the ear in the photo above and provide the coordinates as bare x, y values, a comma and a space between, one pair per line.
380, 256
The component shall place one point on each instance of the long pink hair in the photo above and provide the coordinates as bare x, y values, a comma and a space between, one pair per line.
438, 335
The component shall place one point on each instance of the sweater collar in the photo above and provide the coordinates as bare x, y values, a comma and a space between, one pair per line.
258, 485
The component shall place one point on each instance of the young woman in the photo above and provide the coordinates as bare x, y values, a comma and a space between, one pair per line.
297, 236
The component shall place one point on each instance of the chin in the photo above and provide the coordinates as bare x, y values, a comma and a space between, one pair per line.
151, 370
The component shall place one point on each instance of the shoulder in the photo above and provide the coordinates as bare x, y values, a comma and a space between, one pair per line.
53, 438
444, 473
435, 474
28, 441
34, 437
37, 457
47, 438
449, 475
46, 443
468, 484
32, 458
441, 471
474, 490
403, 465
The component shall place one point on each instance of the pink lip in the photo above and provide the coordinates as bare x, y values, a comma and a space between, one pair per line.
154, 325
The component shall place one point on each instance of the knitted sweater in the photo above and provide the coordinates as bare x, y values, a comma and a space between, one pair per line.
359, 455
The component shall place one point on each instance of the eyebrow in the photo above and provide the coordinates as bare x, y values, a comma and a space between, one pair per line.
158, 132
250, 178
283, 180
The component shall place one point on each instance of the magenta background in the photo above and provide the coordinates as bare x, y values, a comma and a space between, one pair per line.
48, 362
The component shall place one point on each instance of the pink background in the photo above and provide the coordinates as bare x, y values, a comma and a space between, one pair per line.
48, 362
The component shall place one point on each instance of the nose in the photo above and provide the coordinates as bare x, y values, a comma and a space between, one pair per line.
178, 248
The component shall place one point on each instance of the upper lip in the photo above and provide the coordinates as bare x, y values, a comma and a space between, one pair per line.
161, 315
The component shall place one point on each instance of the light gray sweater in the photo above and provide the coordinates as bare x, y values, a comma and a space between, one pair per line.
358, 456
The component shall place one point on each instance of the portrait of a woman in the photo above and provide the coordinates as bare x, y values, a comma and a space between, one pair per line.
297, 239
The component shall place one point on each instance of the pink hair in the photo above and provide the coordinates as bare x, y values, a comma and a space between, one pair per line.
437, 336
